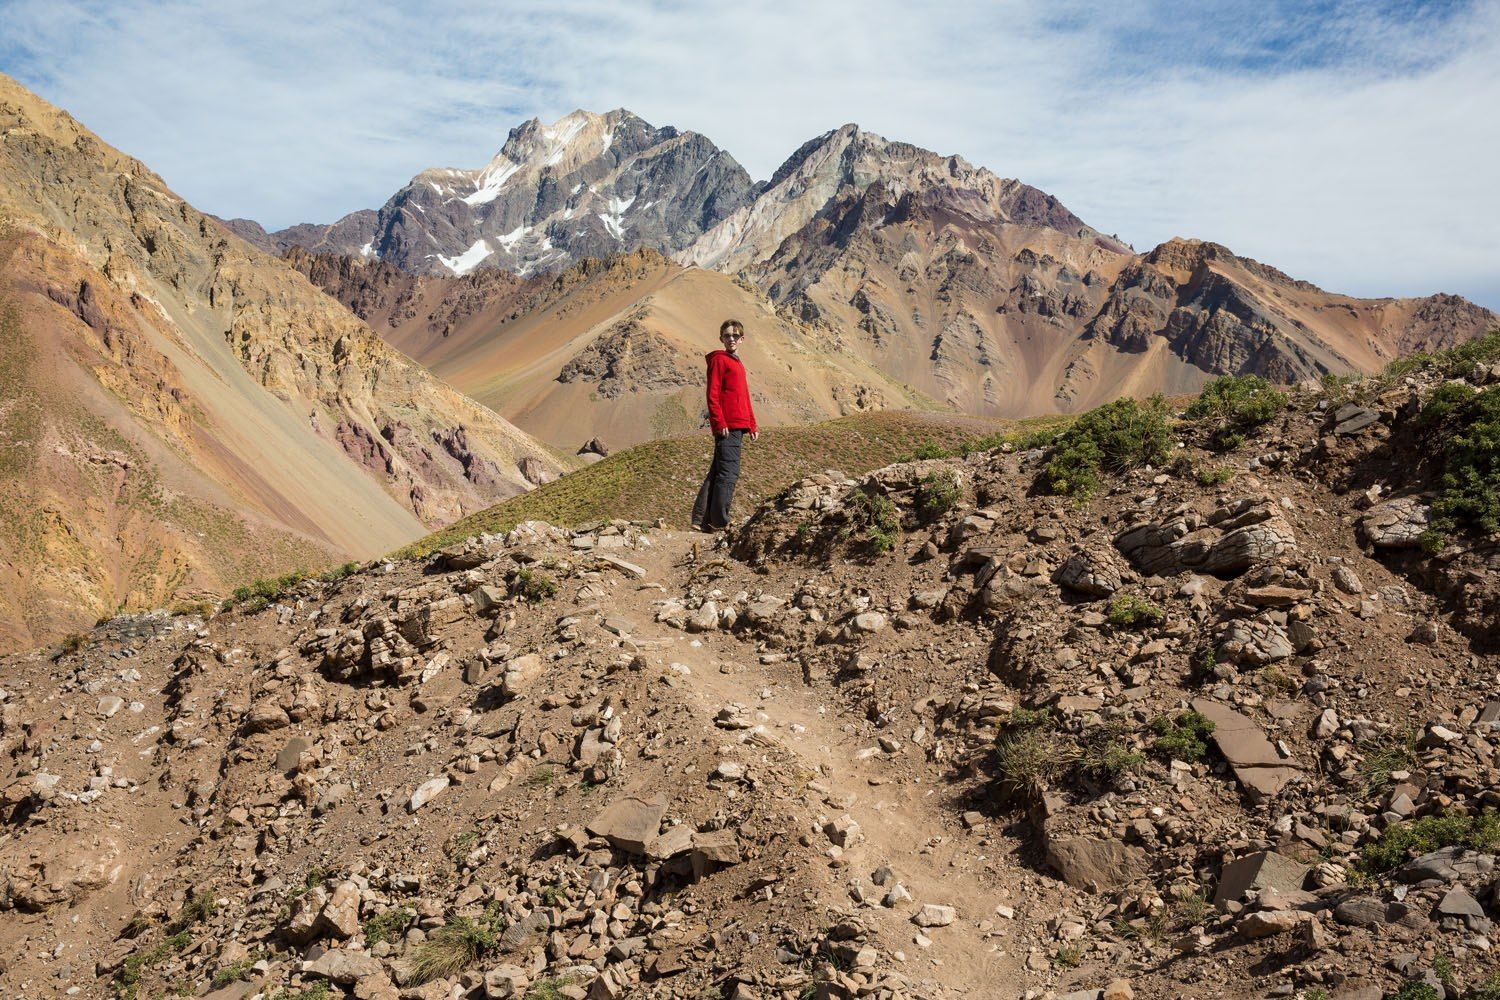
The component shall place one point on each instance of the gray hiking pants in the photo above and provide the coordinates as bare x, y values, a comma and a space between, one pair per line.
712, 507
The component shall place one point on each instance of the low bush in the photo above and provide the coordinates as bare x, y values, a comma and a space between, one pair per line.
1030, 754
456, 946
937, 494
1403, 841
1231, 405
1129, 611
533, 586
1104, 754
1184, 738
1117, 437
873, 517
1462, 428
1416, 990
387, 926
1214, 475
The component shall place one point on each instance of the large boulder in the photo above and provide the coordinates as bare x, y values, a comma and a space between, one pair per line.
1227, 542
1397, 524
630, 823
1094, 864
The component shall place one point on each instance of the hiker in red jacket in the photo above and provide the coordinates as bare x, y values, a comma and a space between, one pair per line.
732, 418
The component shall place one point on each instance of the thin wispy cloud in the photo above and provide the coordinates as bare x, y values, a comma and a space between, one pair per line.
1352, 144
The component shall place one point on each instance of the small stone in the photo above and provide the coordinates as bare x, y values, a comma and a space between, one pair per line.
427, 791
934, 915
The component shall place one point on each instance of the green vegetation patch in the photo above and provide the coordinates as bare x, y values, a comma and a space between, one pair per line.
1232, 405
533, 586
1115, 438
1404, 841
1127, 611
1462, 432
1184, 738
937, 494
874, 520
127, 983
387, 926
457, 945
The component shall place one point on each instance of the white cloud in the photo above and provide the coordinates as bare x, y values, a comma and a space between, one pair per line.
1350, 148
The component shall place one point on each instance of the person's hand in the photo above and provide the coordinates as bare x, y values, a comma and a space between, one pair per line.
721, 432
755, 435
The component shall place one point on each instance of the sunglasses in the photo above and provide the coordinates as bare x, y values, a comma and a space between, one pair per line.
731, 336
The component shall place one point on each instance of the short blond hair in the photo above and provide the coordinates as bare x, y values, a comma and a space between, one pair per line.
731, 324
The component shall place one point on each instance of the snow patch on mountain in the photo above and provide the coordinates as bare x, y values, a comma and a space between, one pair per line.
469, 259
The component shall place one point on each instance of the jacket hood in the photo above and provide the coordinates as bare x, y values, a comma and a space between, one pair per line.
709, 356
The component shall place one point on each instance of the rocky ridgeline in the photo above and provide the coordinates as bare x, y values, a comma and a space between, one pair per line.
1225, 729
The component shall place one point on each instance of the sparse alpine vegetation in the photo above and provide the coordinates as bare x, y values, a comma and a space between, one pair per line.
1117, 437
1231, 406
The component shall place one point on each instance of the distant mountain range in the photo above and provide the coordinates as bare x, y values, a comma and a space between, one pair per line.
877, 274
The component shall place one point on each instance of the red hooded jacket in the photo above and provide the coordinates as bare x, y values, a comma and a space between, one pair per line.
728, 396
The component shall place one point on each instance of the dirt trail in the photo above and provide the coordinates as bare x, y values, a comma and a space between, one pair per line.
905, 822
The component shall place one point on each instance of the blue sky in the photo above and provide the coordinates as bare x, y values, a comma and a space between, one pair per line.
1356, 145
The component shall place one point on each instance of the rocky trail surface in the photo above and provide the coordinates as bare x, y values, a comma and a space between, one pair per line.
1223, 729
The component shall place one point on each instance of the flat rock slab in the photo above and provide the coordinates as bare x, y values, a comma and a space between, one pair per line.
1258, 871
1397, 524
630, 823
1095, 865
343, 966
628, 568
1260, 770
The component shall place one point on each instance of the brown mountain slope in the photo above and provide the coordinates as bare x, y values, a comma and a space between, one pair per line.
222, 374
608, 349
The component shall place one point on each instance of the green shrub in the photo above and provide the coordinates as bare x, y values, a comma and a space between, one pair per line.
1129, 611
1415, 990
874, 518
317, 991
127, 982
930, 449
234, 972
1184, 738
1115, 438
1383, 755
549, 988
533, 586
1489, 989
1233, 404
1214, 475
1029, 754
387, 926
1403, 841
937, 494
1463, 434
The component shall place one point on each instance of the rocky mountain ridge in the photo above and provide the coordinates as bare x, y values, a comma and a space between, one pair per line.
587, 185
916, 280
